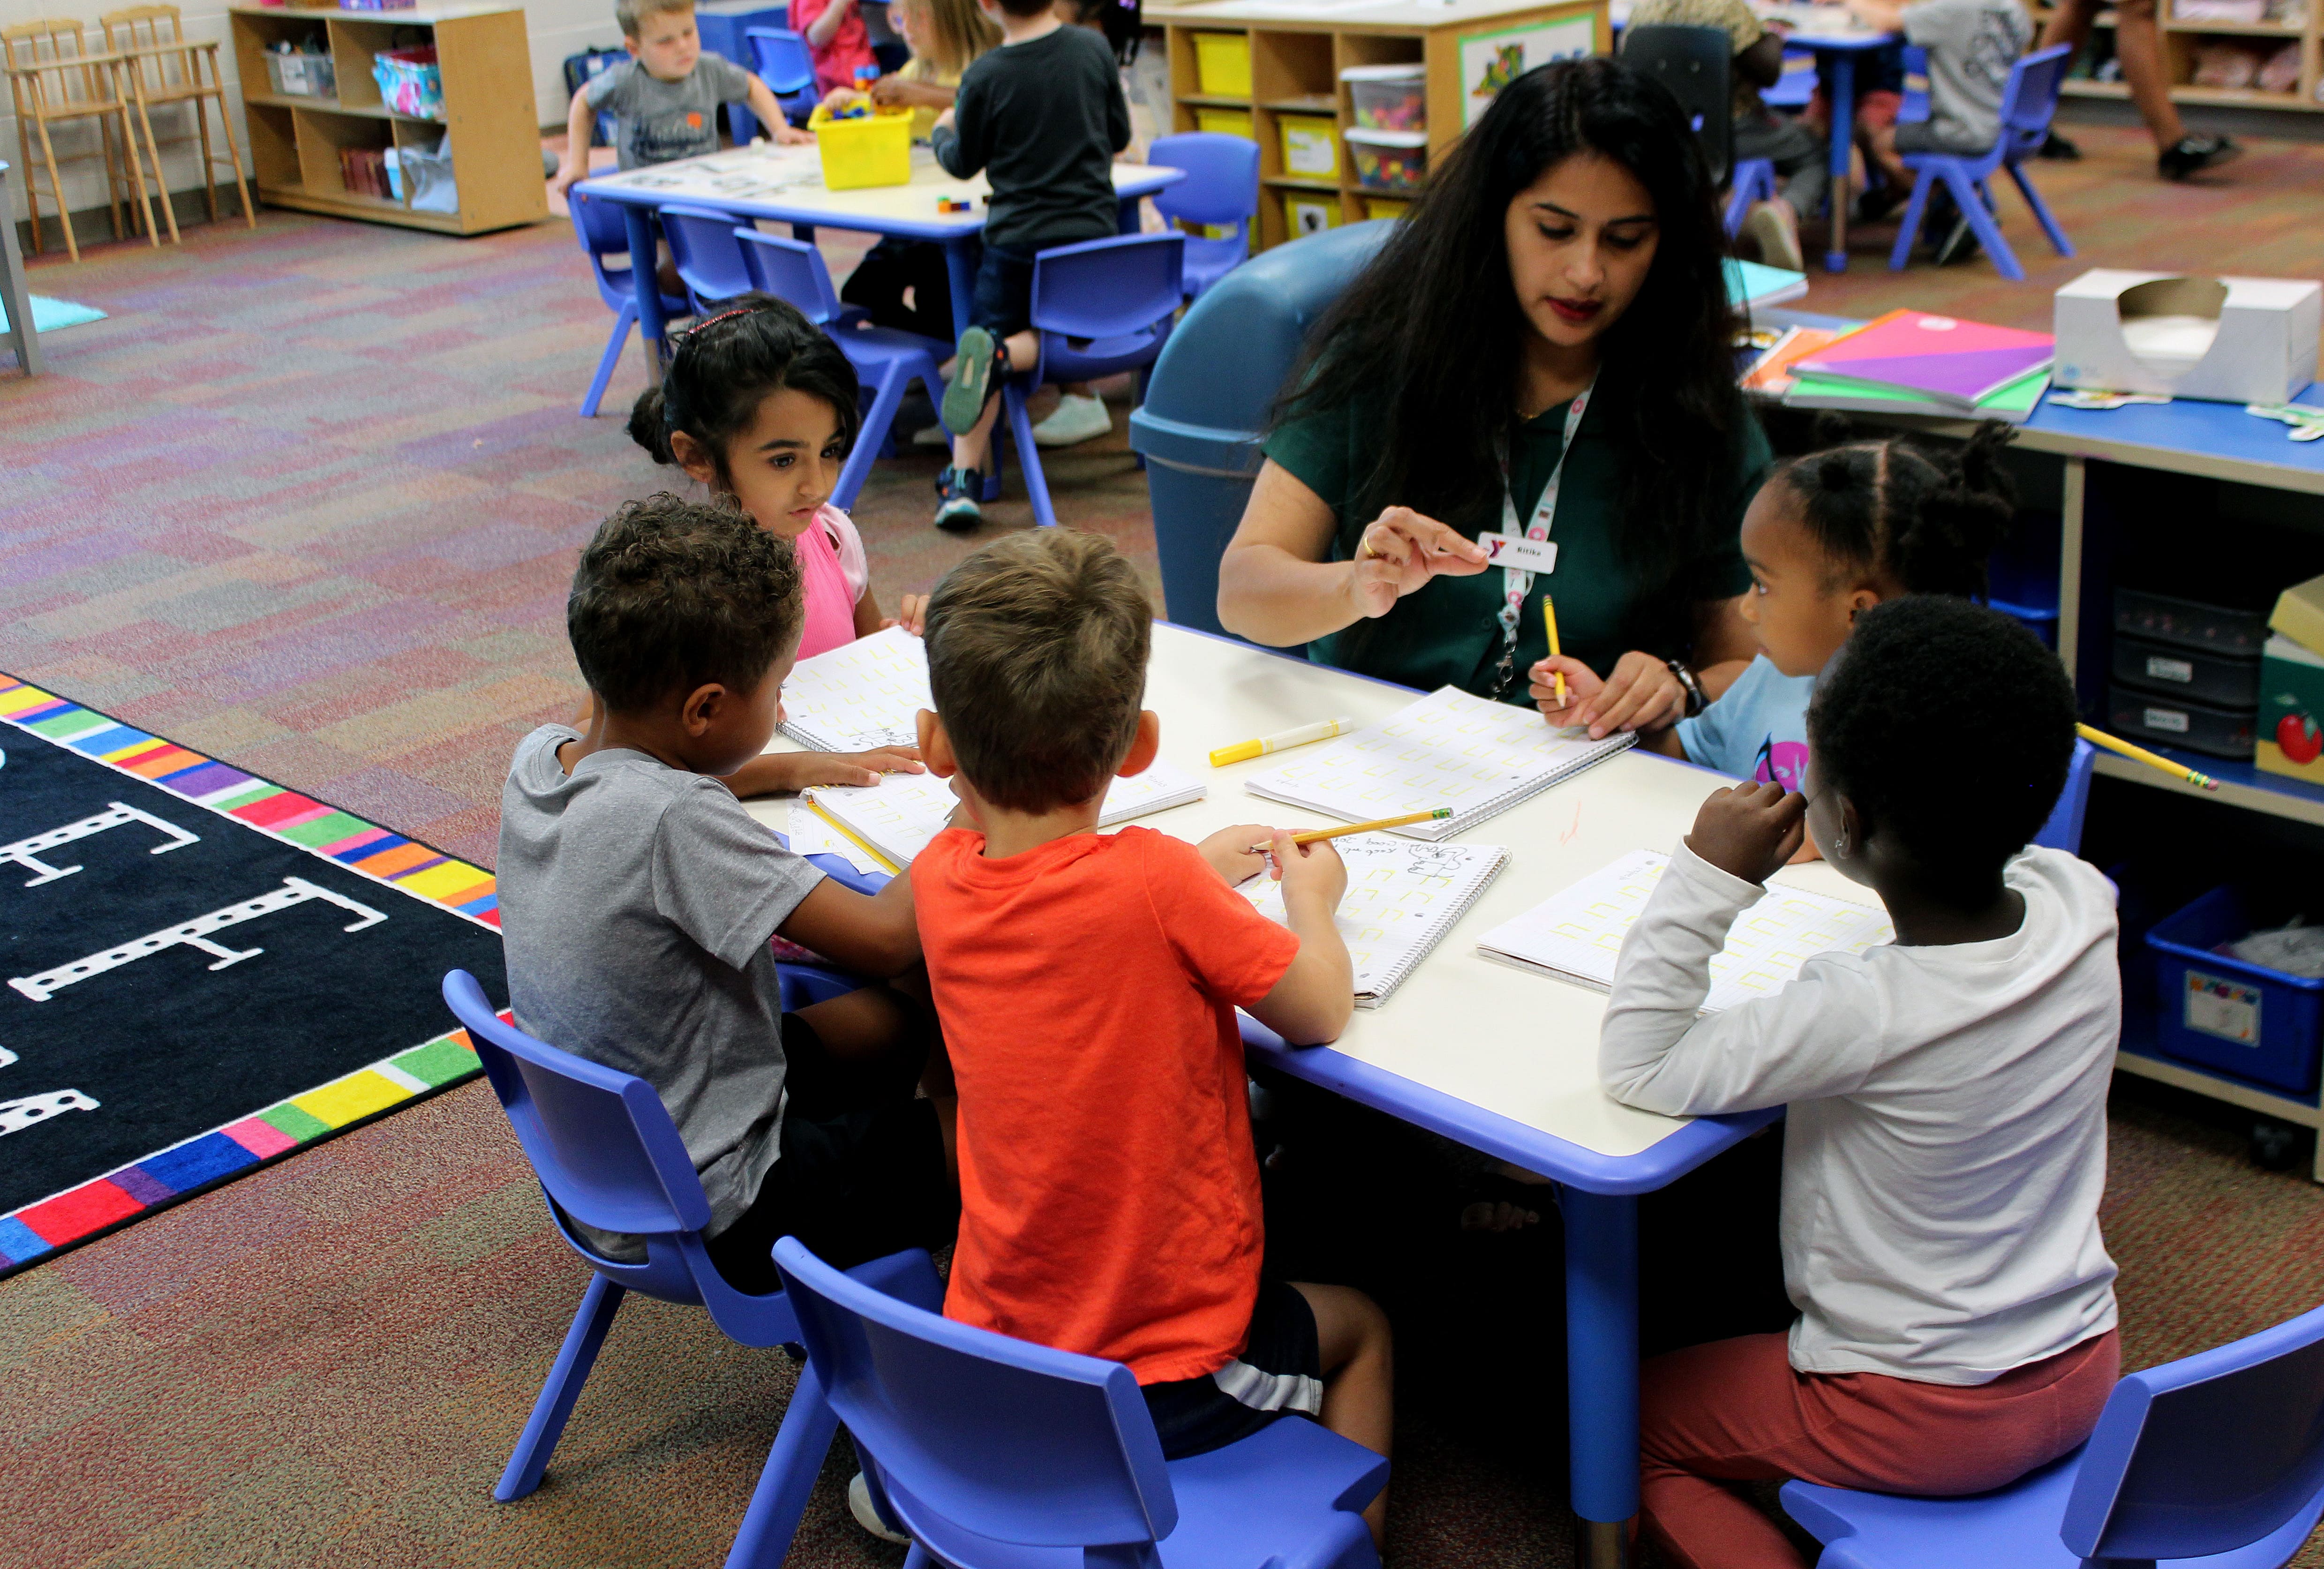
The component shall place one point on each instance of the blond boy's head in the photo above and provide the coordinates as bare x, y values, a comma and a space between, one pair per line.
1037, 659
660, 35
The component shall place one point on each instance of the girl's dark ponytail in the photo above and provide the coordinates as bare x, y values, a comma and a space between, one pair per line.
1928, 517
647, 428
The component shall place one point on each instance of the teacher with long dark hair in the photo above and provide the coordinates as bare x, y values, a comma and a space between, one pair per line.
1540, 358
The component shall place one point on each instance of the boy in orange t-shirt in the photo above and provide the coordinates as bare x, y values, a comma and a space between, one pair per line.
1087, 986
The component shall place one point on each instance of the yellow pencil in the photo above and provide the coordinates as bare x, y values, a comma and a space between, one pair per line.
2151, 759
1312, 834
1549, 621
852, 836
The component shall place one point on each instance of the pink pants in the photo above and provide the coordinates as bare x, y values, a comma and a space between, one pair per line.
1734, 1411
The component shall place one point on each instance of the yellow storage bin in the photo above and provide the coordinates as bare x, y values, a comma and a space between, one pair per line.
1380, 208
874, 150
1310, 145
1222, 64
1309, 213
1225, 122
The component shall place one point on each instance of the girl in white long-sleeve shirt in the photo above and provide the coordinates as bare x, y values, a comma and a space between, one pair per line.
1945, 1151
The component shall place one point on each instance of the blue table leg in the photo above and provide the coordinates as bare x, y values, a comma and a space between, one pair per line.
1601, 1370
653, 327
1843, 145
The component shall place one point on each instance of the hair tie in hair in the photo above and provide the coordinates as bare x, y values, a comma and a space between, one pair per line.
722, 316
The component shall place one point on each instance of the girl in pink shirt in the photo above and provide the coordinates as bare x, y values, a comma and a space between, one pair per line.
836, 40
761, 406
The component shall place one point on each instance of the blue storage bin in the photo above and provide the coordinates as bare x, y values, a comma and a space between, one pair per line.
1208, 398
2241, 1020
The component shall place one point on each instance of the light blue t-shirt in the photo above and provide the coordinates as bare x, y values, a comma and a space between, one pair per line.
1758, 728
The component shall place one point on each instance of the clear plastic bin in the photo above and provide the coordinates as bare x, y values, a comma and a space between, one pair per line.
306, 74
1389, 98
1396, 160
2227, 733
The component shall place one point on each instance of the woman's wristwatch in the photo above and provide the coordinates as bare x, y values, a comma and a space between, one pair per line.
1695, 701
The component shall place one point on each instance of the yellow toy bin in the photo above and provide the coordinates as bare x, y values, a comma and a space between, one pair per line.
1222, 64
1308, 213
1225, 122
875, 150
1377, 207
1310, 145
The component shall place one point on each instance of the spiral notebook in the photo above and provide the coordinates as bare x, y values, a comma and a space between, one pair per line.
1577, 934
898, 817
1449, 749
859, 696
1402, 898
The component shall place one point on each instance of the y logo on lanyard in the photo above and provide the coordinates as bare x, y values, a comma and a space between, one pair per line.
1520, 555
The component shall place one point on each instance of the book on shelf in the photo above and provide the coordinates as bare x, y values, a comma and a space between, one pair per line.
2014, 402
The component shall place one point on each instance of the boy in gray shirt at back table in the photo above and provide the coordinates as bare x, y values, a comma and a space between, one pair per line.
638, 897
665, 97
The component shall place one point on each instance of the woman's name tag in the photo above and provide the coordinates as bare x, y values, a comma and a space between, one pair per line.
1517, 553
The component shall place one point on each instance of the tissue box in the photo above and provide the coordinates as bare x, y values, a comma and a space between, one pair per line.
2237, 340
2291, 728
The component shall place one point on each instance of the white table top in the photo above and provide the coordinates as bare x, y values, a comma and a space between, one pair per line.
786, 184
1515, 1043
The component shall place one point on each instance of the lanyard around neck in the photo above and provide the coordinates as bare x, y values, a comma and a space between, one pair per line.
1517, 582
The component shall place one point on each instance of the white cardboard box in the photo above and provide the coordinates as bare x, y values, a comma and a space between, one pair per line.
2237, 340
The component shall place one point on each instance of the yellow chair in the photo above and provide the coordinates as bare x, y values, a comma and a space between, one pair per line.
163, 67
53, 81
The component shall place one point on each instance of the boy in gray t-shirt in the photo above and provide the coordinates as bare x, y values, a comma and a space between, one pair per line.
665, 97
638, 898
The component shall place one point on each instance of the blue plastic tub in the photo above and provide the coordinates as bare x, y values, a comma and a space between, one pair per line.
2241, 1020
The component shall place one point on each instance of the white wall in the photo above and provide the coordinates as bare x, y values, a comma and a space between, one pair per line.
556, 28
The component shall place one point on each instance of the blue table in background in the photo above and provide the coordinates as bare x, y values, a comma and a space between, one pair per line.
1837, 53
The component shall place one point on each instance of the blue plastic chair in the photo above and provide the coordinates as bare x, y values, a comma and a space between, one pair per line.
1754, 180
780, 57
603, 233
2063, 831
1099, 309
2216, 1459
886, 359
997, 1453
606, 1153
1221, 190
1796, 89
702, 248
2027, 102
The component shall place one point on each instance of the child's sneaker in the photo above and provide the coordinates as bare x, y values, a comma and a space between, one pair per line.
859, 1504
958, 490
1075, 419
972, 381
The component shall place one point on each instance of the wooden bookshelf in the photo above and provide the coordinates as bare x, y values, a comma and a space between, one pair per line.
488, 111
2179, 41
1297, 52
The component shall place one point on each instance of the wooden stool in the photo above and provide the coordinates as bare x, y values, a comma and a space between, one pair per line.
161, 68
53, 79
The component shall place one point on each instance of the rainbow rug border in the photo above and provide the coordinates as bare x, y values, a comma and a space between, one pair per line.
40, 1231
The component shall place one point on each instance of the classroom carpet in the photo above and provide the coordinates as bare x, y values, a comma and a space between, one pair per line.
311, 512
208, 972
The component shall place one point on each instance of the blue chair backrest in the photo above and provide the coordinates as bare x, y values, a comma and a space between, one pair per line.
1222, 183
2205, 1454
600, 1141
702, 245
602, 230
1697, 65
981, 1439
1915, 62
792, 270
1109, 288
781, 60
2030, 98
2063, 831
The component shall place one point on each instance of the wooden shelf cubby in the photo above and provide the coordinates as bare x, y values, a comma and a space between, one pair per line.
488, 113
2181, 37
1297, 52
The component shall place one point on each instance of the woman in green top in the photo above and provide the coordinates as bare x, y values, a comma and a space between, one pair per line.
1557, 295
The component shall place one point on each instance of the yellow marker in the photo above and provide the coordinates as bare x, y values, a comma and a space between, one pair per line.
1549, 621
1311, 835
2151, 759
1298, 736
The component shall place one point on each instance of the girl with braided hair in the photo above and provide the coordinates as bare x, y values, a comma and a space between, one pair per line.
1828, 537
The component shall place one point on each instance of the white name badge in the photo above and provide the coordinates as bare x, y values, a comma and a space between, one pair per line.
1517, 552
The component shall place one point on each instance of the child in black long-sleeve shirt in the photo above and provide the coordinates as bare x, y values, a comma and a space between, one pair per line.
1042, 116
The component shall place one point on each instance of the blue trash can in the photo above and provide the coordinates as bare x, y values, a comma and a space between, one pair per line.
1208, 399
